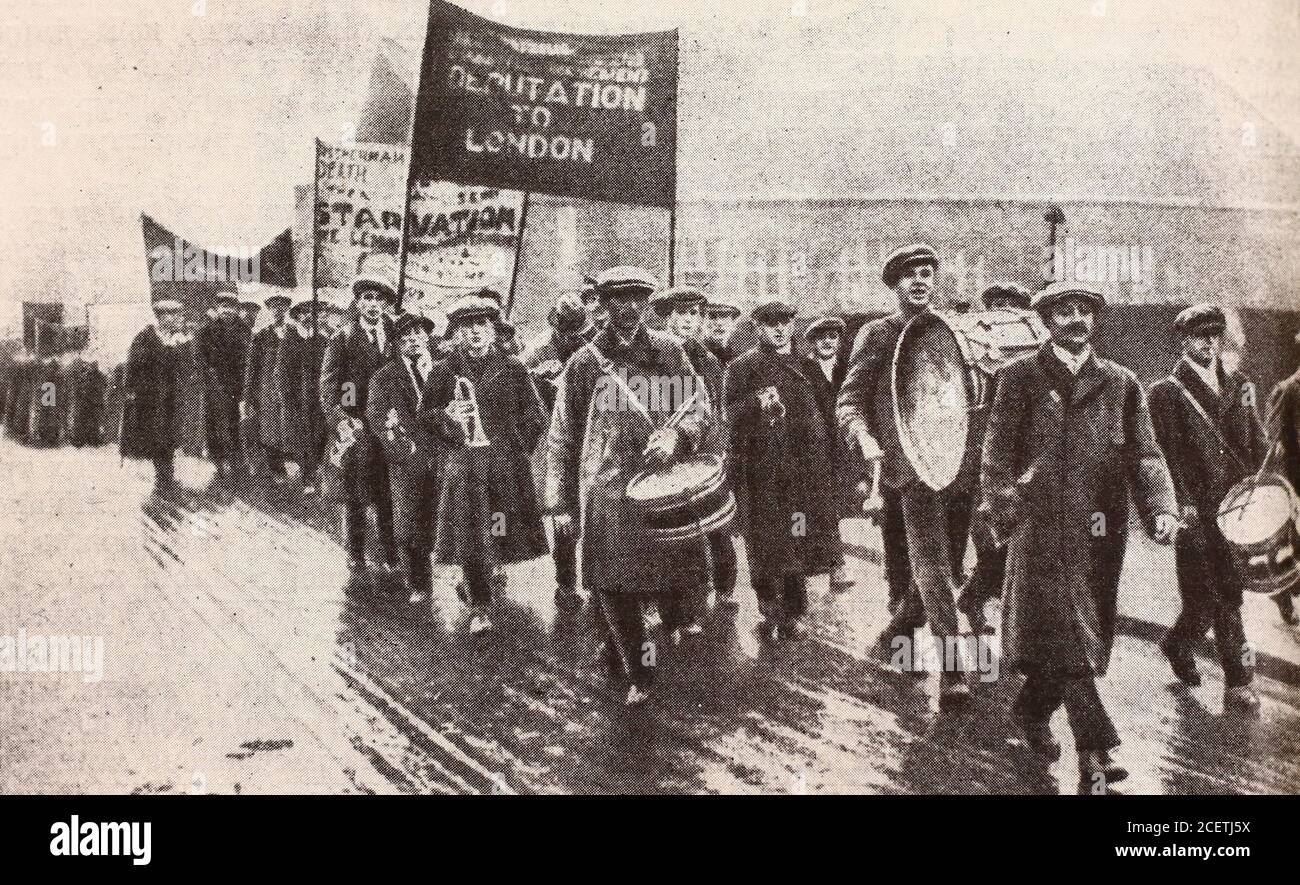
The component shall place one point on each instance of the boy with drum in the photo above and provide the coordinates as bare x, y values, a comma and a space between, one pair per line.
780, 471
1208, 425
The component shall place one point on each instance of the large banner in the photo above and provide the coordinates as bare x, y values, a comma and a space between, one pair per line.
460, 238
592, 117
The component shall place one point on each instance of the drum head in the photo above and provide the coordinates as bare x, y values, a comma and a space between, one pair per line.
1248, 517
931, 400
675, 481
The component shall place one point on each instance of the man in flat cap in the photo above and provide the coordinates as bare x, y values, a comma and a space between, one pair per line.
261, 408
720, 316
1284, 426
924, 531
1207, 422
488, 512
824, 367
1069, 439
778, 448
221, 348
150, 393
249, 307
351, 358
411, 452
296, 377
596, 311
545, 358
1005, 296
681, 309
598, 442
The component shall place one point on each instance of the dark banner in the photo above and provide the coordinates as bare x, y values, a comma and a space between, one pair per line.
593, 117
193, 275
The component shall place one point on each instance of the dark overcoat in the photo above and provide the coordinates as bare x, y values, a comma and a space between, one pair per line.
488, 503
298, 365
221, 349
411, 451
779, 468
149, 397
1057, 472
350, 361
827, 391
1284, 426
1206, 460
261, 392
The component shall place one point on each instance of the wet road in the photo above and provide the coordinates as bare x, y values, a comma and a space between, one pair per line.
238, 657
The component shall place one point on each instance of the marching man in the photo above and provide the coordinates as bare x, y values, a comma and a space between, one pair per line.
481, 402
1208, 425
598, 441
824, 369
780, 471
149, 412
1069, 437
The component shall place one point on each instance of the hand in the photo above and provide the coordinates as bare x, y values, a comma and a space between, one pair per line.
459, 410
1166, 527
871, 450
662, 445
563, 524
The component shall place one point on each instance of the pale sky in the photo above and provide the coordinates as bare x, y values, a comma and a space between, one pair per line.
206, 121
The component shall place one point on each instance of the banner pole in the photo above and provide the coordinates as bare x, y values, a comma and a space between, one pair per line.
672, 213
403, 247
315, 238
519, 253
672, 242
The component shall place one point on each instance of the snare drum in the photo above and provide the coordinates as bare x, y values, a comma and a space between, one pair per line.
1259, 522
685, 499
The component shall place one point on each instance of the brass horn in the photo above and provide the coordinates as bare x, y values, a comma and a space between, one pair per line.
473, 425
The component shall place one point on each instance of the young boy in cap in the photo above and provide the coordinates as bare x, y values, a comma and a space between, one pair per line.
1208, 425
261, 407
779, 468
825, 371
1069, 440
481, 403
411, 452
598, 442
681, 310
720, 316
351, 358
925, 532
150, 397
221, 347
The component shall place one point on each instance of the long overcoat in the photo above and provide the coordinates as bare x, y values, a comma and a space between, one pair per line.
779, 466
149, 419
261, 392
297, 378
596, 445
221, 348
410, 450
488, 503
1057, 472
350, 361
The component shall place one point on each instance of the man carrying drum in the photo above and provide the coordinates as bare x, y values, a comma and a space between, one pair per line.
780, 470
605, 430
925, 532
1208, 425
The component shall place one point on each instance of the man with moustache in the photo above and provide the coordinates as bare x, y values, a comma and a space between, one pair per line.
410, 450
825, 371
221, 347
1208, 426
1069, 439
777, 444
351, 358
924, 531
597, 443
261, 407
681, 310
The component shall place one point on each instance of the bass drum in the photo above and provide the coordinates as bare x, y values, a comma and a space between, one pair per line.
942, 373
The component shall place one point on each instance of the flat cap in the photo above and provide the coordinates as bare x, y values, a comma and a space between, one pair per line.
626, 280
1059, 291
302, 301
471, 307
238, 298
284, 295
773, 310
568, 315
903, 258
678, 296
1203, 318
167, 304
722, 304
405, 322
1016, 294
822, 325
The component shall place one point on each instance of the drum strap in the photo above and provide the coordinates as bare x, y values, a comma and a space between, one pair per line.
1200, 410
